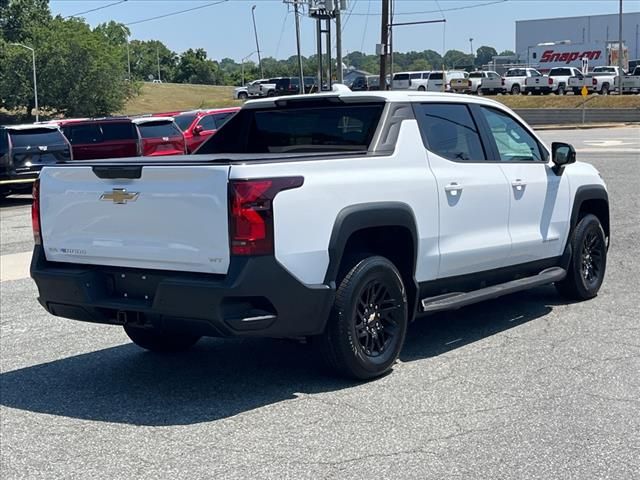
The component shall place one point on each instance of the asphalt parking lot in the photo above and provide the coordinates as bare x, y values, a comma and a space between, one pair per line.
527, 386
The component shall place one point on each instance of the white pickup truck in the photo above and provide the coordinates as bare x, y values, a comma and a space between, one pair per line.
515, 78
631, 82
486, 82
601, 80
340, 217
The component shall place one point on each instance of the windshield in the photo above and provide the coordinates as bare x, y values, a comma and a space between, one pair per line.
184, 121
34, 138
319, 127
158, 130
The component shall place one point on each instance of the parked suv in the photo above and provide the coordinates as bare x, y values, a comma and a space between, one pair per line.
102, 138
366, 82
160, 136
24, 150
199, 125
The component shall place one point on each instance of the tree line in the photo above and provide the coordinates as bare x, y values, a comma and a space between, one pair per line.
84, 71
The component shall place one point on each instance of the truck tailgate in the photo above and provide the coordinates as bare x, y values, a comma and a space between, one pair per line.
171, 218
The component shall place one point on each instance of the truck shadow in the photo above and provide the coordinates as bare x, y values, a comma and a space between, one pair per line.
223, 378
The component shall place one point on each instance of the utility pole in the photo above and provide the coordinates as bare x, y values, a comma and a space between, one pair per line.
255, 31
300, 69
620, 50
384, 40
471, 45
340, 78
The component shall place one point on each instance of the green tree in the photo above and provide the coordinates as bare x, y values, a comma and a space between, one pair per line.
507, 53
484, 55
144, 60
457, 59
194, 67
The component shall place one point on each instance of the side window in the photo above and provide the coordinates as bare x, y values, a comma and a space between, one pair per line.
449, 131
208, 123
514, 143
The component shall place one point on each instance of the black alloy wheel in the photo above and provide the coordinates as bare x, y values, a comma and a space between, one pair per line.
588, 262
366, 329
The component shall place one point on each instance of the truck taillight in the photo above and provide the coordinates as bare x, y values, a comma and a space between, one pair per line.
594, 82
251, 213
550, 81
35, 213
503, 82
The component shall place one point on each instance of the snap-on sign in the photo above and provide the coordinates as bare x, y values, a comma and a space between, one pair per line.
568, 57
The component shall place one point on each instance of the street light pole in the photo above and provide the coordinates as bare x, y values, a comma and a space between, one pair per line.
255, 31
35, 79
471, 45
620, 50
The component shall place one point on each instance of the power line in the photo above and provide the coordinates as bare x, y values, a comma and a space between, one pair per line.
284, 25
353, 5
158, 17
96, 9
494, 2
366, 24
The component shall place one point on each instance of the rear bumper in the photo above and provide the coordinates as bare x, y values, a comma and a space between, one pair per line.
546, 89
257, 297
17, 183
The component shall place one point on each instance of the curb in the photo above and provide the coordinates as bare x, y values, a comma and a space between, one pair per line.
583, 126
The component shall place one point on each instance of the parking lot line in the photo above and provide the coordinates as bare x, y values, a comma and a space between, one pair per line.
14, 266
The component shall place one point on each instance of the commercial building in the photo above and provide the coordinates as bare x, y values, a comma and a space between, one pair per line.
588, 34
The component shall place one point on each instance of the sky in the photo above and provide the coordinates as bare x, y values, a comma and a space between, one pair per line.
226, 29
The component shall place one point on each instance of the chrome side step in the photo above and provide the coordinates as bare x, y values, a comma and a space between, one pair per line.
452, 301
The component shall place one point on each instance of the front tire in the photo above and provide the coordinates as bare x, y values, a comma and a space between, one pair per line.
368, 322
243, 96
421, 89
159, 341
588, 262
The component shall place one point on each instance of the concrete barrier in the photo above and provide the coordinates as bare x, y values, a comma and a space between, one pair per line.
560, 116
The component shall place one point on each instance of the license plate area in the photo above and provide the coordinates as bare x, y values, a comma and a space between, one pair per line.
132, 286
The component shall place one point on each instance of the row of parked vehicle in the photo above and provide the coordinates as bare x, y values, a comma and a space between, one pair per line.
520, 80
25, 149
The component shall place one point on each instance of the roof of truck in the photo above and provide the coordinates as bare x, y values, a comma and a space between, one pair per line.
393, 96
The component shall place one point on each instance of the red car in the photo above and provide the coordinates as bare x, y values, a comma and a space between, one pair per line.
102, 138
160, 136
198, 125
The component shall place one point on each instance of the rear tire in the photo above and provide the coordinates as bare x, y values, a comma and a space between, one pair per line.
576, 91
588, 262
605, 89
561, 90
421, 89
368, 322
159, 341
515, 90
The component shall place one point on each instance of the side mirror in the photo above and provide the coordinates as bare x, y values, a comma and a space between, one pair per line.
198, 129
562, 154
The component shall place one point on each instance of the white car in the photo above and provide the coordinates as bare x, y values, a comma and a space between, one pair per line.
281, 226
405, 80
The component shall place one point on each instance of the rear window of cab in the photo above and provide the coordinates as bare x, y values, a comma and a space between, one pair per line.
159, 130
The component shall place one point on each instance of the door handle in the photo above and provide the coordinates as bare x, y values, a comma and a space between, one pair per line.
518, 184
453, 188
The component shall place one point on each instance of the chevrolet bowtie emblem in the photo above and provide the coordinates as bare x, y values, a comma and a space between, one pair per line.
119, 196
